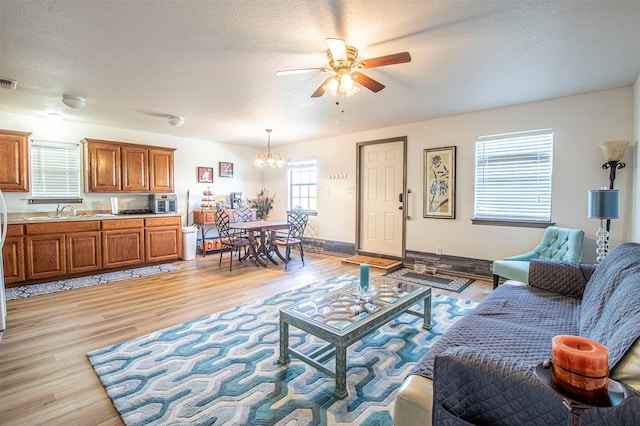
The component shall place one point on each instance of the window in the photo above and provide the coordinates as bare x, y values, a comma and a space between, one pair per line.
513, 177
55, 171
303, 184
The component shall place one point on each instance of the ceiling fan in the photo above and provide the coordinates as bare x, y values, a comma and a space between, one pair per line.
345, 66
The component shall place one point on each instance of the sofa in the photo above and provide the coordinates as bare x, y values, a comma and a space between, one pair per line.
482, 370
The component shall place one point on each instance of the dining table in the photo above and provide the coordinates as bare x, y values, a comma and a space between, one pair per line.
267, 229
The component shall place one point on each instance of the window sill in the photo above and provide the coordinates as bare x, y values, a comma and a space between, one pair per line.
514, 223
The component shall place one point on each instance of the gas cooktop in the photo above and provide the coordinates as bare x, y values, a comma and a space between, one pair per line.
136, 211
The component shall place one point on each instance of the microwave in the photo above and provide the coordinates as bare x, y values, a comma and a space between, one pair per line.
163, 203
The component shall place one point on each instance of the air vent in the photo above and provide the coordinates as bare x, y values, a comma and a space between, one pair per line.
8, 84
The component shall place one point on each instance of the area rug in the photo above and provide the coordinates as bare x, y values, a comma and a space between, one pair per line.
21, 292
441, 281
223, 369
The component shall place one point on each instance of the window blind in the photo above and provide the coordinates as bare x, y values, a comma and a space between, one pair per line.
55, 170
513, 176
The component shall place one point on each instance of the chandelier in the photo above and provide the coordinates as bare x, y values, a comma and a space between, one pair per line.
268, 159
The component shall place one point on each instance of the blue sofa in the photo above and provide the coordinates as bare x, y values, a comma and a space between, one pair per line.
482, 370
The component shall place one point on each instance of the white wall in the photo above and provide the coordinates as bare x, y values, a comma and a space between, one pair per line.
580, 123
190, 154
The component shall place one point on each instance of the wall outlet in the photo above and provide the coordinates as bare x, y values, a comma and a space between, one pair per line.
438, 250
95, 205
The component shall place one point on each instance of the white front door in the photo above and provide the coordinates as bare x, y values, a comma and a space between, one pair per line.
381, 196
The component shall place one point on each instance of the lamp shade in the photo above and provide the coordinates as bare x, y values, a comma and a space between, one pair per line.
613, 150
603, 204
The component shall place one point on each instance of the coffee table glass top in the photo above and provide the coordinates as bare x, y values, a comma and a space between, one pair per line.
338, 311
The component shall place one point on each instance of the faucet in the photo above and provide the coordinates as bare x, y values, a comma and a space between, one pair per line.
60, 210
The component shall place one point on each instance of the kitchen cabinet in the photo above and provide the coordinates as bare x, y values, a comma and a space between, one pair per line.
163, 238
103, 170
58, 248
122, 242
14, 152
13, 255
135, 168
121, 167
84, 252
161, 170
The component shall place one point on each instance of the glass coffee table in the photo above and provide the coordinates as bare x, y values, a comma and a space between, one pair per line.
338, 320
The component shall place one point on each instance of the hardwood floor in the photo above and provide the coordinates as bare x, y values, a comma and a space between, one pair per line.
45, 377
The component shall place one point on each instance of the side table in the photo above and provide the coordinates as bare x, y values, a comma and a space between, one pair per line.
616, 394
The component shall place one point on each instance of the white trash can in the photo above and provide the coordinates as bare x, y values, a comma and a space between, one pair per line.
189, 241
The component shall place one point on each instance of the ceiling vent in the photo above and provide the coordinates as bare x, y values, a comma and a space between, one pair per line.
8, 84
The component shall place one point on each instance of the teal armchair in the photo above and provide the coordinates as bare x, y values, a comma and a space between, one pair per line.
557, 244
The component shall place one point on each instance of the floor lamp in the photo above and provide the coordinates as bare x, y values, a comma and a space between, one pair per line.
613, 152
603, 205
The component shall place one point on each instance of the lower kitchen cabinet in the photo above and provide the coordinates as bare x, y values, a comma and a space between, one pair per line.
36, 252
122, 243
13, 255
84, 252
46, 256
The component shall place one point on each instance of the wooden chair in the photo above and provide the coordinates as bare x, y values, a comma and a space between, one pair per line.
229, 239
297, 220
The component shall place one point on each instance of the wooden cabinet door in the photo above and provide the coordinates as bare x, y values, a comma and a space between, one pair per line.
161, 170
45, 256
122, 247
135, 169
163, 243
103, 166
84, 252
13, 255
14, 152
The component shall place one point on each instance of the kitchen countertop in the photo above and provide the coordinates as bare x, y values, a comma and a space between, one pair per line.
42, 217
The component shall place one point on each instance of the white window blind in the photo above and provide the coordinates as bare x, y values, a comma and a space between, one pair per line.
55, 170
513, 177
303, 184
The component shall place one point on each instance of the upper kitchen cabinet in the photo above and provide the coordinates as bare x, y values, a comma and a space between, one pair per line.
161, 170
121, 167
14, 151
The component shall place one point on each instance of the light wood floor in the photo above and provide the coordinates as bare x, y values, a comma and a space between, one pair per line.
45, 377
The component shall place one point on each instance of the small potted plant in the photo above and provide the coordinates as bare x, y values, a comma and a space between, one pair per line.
263, 203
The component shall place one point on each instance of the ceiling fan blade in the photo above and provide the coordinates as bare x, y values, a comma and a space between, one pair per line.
396, 58
338, 49
298, 71
320, 90
367, 82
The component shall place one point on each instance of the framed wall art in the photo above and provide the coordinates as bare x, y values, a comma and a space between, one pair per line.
440, 183
226, 169
205, 174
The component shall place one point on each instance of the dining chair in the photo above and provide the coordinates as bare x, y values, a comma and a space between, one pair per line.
297, 221
229, 239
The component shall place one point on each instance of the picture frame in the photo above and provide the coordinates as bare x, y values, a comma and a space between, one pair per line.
226, 169
439, 198
205, 174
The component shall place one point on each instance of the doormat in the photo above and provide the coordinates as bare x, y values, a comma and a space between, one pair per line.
443, 282
375, 262
24, 291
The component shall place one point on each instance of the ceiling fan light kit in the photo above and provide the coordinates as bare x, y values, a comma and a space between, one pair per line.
74, 102
343, 62
269, 160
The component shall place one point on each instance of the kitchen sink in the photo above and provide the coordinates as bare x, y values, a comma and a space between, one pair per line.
47, 217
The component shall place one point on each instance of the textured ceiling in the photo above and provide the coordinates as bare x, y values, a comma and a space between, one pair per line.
215, 62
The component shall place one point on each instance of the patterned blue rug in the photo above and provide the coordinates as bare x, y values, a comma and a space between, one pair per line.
21, 292
223, 368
